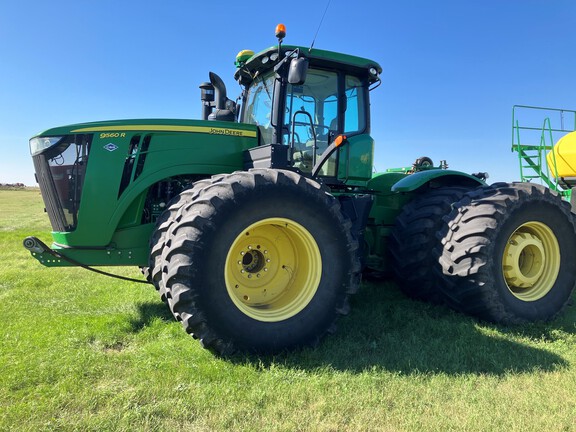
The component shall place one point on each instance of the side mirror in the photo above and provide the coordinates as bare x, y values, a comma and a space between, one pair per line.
297, 71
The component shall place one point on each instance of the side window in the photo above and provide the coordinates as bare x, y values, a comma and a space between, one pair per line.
355, 117
331, 113
312, 107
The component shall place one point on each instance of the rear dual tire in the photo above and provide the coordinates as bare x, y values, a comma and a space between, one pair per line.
508, 254
415, 236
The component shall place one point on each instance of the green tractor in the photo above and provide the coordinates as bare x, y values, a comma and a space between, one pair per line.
257, 222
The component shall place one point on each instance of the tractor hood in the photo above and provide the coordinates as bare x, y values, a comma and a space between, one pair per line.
115, 153
113, 127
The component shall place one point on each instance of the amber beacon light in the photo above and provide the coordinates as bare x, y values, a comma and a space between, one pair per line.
280, 31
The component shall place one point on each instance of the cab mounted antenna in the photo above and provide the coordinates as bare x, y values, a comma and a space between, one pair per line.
319, 25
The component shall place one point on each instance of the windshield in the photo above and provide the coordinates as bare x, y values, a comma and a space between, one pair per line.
259, 105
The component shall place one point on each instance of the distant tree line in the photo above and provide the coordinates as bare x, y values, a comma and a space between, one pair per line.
13, 185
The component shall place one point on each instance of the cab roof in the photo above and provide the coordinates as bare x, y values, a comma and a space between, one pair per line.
261, 62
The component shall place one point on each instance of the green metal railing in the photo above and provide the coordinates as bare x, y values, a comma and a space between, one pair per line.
535, 130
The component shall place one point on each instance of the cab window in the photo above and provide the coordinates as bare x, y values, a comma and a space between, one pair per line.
355, 115
259, 105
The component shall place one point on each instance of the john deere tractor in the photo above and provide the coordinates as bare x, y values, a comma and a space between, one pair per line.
256, 223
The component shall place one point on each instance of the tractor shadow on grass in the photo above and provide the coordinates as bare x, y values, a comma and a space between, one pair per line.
148, 312
387, 331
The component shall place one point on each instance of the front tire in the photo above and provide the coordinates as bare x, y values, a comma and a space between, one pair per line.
261, 261
508, 253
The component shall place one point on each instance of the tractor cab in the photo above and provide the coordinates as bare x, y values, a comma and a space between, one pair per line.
301, 100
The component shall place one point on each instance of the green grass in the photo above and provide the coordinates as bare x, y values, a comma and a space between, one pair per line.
82, 352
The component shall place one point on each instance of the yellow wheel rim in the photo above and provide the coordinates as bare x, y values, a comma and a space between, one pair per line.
273, 269
531, 261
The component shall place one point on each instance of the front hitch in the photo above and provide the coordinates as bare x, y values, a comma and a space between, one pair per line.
34, 245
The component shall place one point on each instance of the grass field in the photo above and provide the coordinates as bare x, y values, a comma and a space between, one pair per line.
82, 352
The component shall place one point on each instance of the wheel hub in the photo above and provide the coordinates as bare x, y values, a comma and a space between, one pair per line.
531, 261
524, 260
253, 261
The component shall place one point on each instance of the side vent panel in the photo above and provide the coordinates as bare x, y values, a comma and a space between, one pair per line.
129, 164
142, 156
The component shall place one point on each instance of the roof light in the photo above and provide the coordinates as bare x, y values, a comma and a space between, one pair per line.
280, 31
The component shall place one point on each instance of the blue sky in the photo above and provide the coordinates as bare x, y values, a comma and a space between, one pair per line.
452, 69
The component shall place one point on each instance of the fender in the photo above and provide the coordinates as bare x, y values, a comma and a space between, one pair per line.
443, 177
